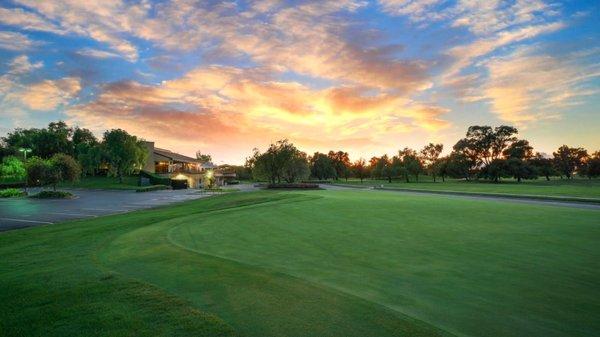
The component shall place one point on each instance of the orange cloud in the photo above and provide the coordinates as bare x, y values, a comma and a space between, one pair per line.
223, 107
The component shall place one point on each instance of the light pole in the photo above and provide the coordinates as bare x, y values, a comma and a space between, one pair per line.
25, 151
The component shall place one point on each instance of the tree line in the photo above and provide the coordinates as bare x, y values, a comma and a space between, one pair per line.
60, 152
486, 152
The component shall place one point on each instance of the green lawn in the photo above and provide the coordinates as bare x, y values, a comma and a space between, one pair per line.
582, 188
310, 263
105, 183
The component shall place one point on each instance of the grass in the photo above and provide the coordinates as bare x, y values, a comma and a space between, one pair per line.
104, 183
577, 188
12, 193
309, 263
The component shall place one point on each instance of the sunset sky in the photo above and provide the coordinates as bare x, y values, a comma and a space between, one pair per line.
368, 77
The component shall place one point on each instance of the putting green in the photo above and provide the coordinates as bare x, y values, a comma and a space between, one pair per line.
358, 263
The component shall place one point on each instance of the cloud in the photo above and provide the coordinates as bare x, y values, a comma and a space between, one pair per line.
464, 55
96, 53
224, 106
27, 20
525, 86
47, 94
17, 41
21, 65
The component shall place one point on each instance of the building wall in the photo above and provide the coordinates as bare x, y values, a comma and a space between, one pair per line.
149, 166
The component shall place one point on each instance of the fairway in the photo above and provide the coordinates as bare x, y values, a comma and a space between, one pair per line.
573, 188
317, 263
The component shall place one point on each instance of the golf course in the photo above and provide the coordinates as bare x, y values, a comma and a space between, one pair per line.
308, 263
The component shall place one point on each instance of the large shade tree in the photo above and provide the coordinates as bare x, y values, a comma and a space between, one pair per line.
568, 160
125, 153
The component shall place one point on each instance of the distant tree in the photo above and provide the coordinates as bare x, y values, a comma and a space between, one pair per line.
341, 163
296, 168
569, 159
458, 165
56, 138
281, 161
203, 158
430, 154
65, 168
360, 169
542, 165
592, 167
484, 144
441, 167
517, 155
411, 163
13, 168
124, 152
83, 136
384, 168
321, 166
496, 169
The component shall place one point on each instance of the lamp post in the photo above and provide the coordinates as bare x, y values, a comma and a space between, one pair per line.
25, 151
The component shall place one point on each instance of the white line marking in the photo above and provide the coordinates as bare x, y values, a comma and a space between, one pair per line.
21, 220
73, 214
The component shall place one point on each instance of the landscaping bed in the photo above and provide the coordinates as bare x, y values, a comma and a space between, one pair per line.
12, 193
153, 188
53, 195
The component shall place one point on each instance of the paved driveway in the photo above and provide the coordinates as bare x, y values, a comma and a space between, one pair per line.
26, 212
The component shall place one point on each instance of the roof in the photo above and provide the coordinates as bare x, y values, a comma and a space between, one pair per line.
175, 156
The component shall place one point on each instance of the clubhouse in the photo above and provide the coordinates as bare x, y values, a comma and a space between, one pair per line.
176, 166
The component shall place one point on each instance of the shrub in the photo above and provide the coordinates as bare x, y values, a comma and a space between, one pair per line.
12, 168
11, 193
294, 186
53, 195
153, 188
156, 179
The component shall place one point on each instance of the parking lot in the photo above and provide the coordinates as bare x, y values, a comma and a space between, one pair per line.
27, 212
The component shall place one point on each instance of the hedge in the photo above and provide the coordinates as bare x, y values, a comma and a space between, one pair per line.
11, 193
53, 195
153, 188
156, 179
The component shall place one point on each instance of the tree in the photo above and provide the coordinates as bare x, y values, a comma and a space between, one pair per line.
41, 172
67, 168
496, 169
43, 142
383, 168
296, 168
83, 136
592, 168
458, 165
341, 163
125, 153
517, 156
569, 159
281, 161
12, 168
203, 158
430, 154
321, 166
484, 144
360, 169
411, 163
544, 166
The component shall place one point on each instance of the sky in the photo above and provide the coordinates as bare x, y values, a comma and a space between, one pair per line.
367, 77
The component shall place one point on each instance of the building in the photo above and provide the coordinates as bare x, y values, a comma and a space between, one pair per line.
176, 166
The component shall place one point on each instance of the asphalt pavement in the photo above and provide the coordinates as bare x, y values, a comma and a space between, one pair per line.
26, 212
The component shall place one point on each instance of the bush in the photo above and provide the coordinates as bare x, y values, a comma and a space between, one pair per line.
294, 186
153, 188
156, 179
53, 195
233, 182
11, 193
